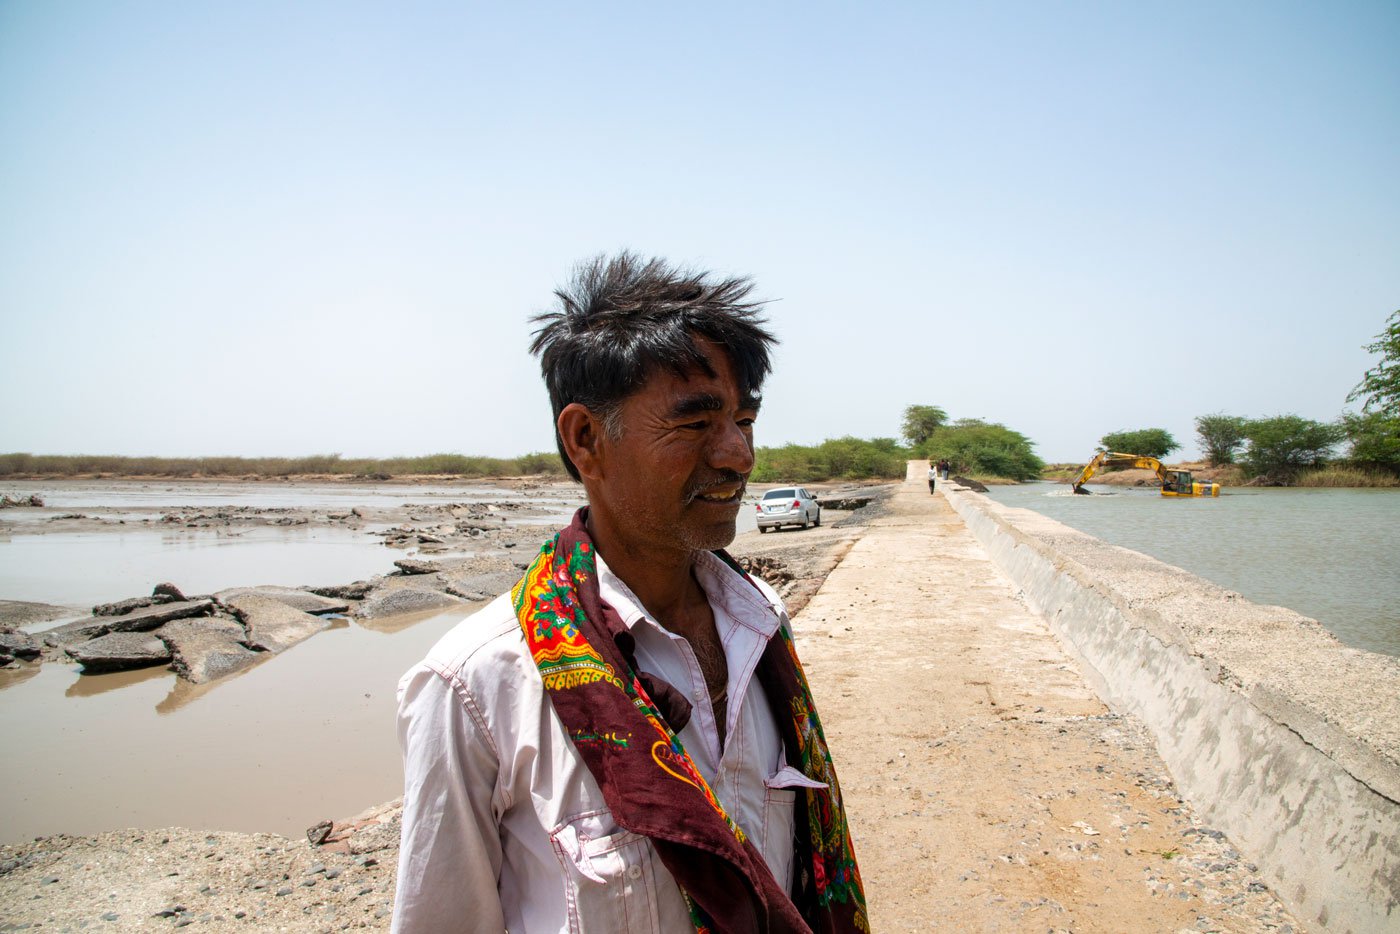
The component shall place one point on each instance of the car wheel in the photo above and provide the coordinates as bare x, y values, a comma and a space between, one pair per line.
818, 523
762, 529
806, 522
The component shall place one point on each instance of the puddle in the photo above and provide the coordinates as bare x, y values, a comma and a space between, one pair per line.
304, 736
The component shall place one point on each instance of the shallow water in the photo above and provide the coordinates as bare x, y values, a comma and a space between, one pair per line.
267, 494
302, 737
109, 561
85, 568
1333, 555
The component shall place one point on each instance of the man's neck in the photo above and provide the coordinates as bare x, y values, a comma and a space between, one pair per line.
661, 580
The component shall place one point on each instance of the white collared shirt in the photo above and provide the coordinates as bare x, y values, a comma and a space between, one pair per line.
504, 827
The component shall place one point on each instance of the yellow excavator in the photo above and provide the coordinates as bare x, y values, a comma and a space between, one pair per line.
1174, 482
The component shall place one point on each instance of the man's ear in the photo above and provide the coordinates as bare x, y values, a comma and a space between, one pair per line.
581, 433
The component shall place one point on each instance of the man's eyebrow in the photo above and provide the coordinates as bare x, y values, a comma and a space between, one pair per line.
702, 402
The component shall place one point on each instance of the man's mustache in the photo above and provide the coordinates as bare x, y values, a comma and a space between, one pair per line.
721, 479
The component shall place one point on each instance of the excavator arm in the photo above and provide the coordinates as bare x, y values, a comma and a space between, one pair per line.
1113, 459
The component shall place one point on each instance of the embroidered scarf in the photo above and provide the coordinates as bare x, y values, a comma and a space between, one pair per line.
584, 655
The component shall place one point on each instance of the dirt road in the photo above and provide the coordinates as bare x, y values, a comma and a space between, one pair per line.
988, 788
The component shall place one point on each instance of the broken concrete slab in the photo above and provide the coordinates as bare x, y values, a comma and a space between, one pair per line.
466, 593
138, 620
297, 599
478, 583
122, 607
119, 651
356, 591
405, 600
18, 644
152, 616
271, 625
75, 632
411, 566
206, 649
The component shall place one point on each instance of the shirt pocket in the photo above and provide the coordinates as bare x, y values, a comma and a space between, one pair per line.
779, 801
611, 879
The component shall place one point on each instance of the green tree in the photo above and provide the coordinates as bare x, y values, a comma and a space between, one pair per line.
1221, 436
1375, 433
1380, 386
1374, 439
974, 446
920, 421
1148, 442
1283, 446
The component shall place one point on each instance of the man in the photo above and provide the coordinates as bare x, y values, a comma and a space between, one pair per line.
625, 742
932, 476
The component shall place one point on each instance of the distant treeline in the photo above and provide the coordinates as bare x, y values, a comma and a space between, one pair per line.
841, 458
455, 465
836, 459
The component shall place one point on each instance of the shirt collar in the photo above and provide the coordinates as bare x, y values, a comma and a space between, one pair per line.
725, 588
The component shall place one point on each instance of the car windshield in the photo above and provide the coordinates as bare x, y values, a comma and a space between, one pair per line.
780, 494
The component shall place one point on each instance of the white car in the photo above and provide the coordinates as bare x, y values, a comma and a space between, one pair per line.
789, 505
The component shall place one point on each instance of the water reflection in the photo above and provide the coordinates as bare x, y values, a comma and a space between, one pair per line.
85, 685
18, 673
183, 693
389, 625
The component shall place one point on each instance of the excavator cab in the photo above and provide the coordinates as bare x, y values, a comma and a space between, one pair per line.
1177, 481
1181, 483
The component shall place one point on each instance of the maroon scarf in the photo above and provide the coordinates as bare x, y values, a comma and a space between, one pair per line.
618, 721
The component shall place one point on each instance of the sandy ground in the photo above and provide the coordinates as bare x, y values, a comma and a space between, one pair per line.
988, 789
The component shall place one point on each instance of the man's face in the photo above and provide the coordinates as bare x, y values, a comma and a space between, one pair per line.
675, 477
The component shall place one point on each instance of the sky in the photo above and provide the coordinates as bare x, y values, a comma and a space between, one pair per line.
275, 229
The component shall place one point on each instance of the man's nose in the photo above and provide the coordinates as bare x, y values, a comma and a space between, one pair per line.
731, 449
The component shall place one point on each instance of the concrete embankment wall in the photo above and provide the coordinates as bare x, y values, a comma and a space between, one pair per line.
1277, 734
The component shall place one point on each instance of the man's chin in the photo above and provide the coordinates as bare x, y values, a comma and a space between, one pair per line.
711, 537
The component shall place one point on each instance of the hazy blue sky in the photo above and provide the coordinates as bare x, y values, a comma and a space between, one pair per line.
290, 228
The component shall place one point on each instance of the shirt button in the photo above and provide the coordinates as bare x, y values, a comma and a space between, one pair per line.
634, 872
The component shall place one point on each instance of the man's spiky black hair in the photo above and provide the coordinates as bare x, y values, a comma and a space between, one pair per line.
621, 319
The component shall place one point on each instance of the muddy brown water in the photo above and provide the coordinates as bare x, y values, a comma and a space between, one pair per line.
301, 737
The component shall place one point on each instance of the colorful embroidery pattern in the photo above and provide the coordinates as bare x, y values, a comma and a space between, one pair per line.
547, 607
611, 738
